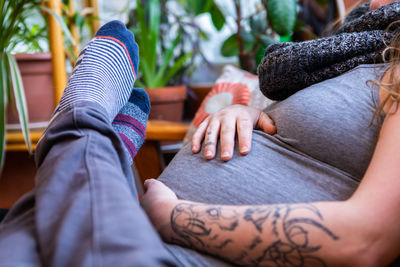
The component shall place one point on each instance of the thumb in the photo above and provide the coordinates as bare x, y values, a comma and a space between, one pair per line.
147, 184
266, 124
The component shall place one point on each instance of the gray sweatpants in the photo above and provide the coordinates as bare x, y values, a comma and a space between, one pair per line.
84, 210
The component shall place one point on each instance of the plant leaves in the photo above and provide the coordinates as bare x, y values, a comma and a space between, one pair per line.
258, 24
230, 47
266, 40
282, 15
20, 100
154, 30
3, 107
175, 68
167, 57
217, 17
203, 35
196, 7
260, 54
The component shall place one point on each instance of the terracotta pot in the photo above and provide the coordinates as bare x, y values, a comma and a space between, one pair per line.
167, 103
37, 79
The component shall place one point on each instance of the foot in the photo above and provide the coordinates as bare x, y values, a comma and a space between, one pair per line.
130, 123
105, 71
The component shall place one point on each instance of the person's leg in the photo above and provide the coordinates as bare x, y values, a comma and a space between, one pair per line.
18, 245
86, 207
87, 212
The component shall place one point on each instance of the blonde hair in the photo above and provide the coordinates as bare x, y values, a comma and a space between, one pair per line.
391, 83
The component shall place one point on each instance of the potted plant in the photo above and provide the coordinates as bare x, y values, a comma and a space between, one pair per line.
157, 64
17, 34
271, 19
184, 14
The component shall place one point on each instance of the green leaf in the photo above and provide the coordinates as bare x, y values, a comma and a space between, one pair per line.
282, 15
5, 82
67, 33
266, 40
258, 24
230, 47
147, 74
175, 68
141, 20
20, 101
3, 107
138, 83
260, 54
5, 70
247, 37
148, 37
196, 7
167, 57
217, 17
154, 30
203, 35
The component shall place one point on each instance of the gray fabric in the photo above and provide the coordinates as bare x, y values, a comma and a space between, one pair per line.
324, 142
84, 210
289, 67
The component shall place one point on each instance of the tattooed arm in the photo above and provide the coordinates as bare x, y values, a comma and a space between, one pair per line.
262, 235
347, 233
277, 235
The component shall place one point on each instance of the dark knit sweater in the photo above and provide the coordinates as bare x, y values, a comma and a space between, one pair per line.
289, 67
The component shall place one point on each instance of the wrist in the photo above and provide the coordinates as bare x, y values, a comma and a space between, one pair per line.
163, 225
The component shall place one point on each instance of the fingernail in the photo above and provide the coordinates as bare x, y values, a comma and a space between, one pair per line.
194, 147
244, 149
208, 153
225, 154
147, 181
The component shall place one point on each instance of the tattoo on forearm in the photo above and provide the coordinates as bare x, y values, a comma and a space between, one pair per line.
257, 217
196, 224
281, 238
257, 240
224, 244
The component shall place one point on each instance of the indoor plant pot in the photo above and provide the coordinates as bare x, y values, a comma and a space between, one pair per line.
36, 72
167, 102
14, 30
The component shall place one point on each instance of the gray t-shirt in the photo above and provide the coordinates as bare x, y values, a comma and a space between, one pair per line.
326, 135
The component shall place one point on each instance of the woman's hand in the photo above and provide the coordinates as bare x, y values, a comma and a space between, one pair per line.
224, 124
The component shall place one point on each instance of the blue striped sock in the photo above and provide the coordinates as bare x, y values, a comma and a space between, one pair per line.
130, 123
105, 71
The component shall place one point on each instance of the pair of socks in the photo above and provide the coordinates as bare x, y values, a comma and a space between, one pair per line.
105, 73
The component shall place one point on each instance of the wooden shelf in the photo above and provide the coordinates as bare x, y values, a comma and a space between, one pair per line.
15, 141
156, 131
166, 130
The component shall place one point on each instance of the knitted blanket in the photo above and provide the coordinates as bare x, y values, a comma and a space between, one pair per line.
289, 67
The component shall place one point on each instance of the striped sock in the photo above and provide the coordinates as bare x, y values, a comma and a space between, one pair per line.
105, 71
130, 123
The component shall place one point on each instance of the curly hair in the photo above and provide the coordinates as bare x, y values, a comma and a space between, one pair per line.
390, 82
